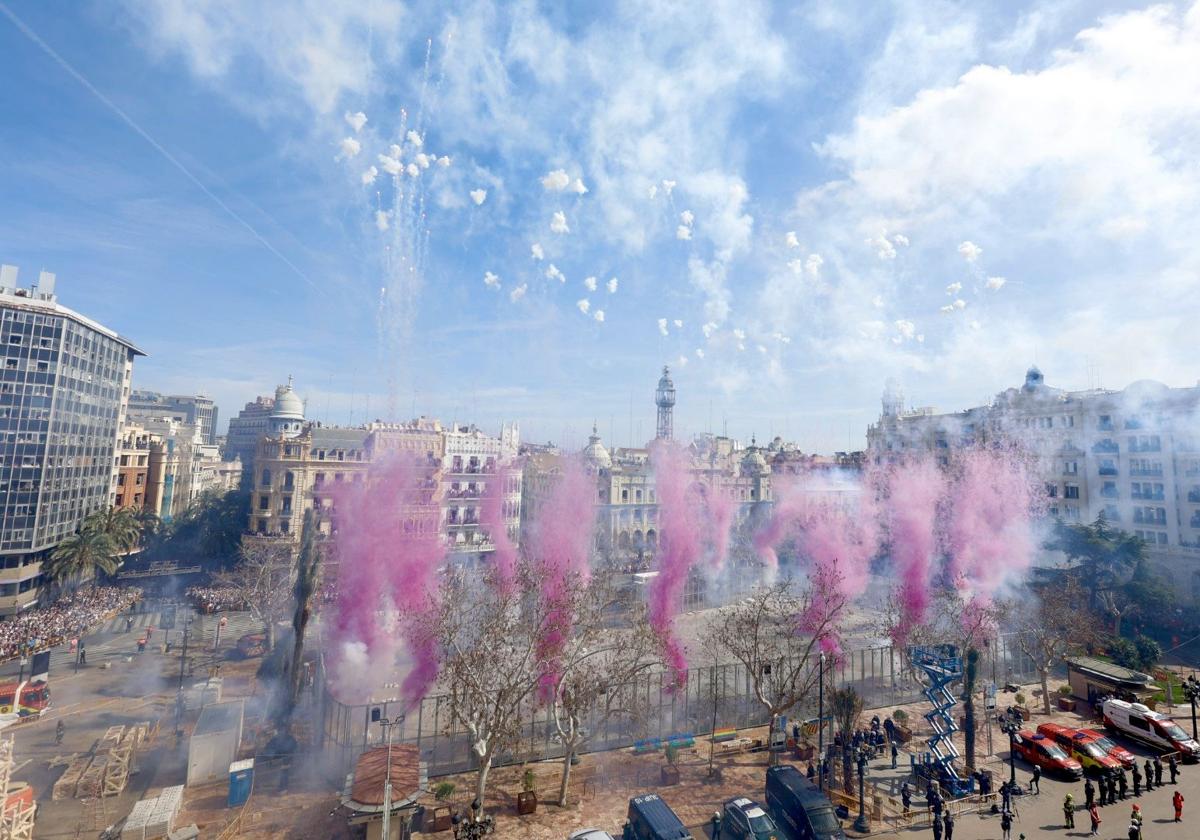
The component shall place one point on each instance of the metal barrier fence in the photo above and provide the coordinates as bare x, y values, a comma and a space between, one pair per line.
713, 697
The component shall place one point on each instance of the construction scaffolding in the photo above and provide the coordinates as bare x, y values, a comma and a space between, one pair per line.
942, 667
16, 823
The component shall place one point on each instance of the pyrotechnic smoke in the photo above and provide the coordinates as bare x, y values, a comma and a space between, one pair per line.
389, 549
914, 491
989, 535
494, 523
679, 547
721, 508
559, 549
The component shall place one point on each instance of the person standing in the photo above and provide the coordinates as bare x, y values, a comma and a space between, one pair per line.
1035, 781
1123, 783
937, 829
1006, 824
948, 820
1137, 780
906, 796
895, 753
1173, 766
1177, 801
1069, 811
1149, 776
1089, 793
1135, 830
1157, 771
1095, 816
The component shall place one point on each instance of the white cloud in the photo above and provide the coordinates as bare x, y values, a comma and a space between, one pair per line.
668, 186
556, 181
413, 170
612, 285
559, 223
877, 301
708, 329
960, 304
552, 273
956, 306
583, 304
906, 329
535, 250
796, 266
883, 247
598, 315
415, 139
682, 361
662, 326
444, 161
349, 148
683, 232
518, 293
491, 280
900, 239
995, 284
709, 278
699, 353
382, 220
791, 240
479, 196
652, 191
739, 334
687, 217
423, 160
678, 324
577, 187
369, 175
589, 283
356, 120
813, 265
954, 288
970, 251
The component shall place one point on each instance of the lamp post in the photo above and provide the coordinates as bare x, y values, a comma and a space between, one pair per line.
821, 721
861, 753
1010, 723
387, 724
1191, 690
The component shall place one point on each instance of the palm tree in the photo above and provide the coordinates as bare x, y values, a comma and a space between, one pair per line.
120, 525
80, 555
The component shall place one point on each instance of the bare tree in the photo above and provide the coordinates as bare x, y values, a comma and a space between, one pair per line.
775, 633
493, 661
1118, 605
307, 566
600, 666
1058, 625
262, 580
847, 705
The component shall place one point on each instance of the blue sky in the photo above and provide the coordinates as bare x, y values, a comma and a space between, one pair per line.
822, 195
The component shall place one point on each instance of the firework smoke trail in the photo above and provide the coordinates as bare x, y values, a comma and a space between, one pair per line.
989, 534
679, 547
837, 531
559, 548
389, 549
720, 506
915, 490
494, 523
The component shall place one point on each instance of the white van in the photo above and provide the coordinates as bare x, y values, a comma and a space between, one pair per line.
1133, 720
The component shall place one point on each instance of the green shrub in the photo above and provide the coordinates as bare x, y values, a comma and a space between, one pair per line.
1124, 652
1021, 699
527, 780
1148, 652
900, 716
443, 791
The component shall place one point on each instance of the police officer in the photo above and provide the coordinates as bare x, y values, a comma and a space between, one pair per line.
1089, 793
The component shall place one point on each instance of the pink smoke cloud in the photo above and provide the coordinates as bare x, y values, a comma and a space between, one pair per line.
914, 491
493, 522
559, 549
389, 549
721, 507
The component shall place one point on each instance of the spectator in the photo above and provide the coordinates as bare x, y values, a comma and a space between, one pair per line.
71, 616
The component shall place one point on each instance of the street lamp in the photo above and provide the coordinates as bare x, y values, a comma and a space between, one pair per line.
861, 754
1191, 690
821, 722
1010, 724
387, 725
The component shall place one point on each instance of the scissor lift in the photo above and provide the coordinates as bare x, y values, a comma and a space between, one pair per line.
942, 667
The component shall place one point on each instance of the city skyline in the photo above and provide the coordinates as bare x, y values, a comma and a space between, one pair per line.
214, 212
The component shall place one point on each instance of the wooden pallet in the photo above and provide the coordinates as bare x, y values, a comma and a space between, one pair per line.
92, 780
65, 787
116, 773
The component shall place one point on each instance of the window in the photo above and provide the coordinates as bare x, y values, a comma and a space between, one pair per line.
1071, 467
1139, 723
264, 502
1071, 491
266, 478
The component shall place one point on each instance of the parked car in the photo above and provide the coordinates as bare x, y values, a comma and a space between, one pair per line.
590, 834
1124, 756
1136, 721
799, 806
650, 818
1042, 751
1083, 747
745, 819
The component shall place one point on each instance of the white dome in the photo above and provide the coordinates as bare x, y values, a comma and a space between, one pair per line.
288, 405
595, 453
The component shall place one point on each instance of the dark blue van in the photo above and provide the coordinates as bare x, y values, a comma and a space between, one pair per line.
652, 819
799, 806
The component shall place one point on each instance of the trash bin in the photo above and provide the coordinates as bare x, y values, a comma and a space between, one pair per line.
241, 781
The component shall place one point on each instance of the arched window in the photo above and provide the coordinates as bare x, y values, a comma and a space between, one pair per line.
266, 478
623, 540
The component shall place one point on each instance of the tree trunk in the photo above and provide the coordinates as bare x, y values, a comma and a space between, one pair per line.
847, 770
485, 765
1044, 673
772, 756
566, 776
269, 632
1116, 624
969, 706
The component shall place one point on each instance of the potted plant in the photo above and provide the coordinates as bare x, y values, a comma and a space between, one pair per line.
1021, 708
527, 799
903, 733
1065, 701
670, 773
438, 818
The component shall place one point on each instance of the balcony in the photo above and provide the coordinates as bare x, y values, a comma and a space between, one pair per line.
1149, 497
1193, 496
1106, 446
1195, 520
1108, 471
1152, 446
1110, 492
1155, 472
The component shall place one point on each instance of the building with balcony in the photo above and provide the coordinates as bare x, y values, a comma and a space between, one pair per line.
198, 411
64, 383
1132, 455
245, 431
139, 469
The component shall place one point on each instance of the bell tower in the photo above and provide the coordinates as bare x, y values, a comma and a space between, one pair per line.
664, 398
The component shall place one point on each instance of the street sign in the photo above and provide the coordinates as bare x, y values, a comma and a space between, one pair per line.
167, 620
989, 697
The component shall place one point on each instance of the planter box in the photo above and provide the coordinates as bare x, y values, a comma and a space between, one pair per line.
527, 802
669, 776
903, 734
805, 752
437, 819
1067, 704
1024, 712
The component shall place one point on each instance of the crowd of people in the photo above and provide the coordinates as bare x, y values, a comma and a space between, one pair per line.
210, 599
70, 617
